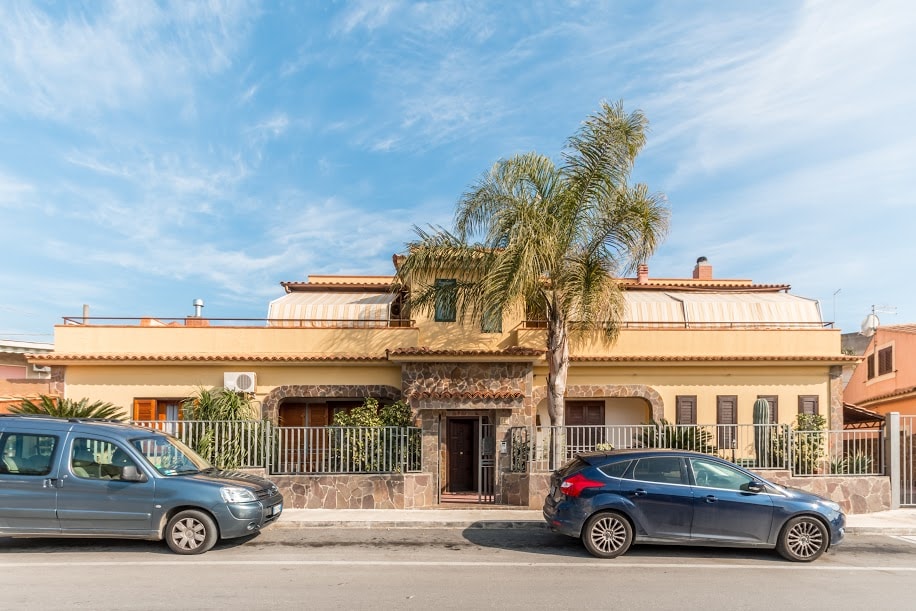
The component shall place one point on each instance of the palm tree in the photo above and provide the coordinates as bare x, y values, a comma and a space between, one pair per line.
68, 408
551, 238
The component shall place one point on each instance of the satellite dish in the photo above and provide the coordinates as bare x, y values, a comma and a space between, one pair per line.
869, 325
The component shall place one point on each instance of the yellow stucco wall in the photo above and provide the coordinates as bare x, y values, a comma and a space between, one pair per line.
706, 383
120, 385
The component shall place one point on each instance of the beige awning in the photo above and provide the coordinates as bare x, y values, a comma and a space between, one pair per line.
676, 309
331, 309
652, 309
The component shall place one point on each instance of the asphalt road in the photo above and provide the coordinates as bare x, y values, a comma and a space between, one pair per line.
344, 568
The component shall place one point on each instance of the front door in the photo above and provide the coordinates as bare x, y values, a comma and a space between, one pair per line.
462, 455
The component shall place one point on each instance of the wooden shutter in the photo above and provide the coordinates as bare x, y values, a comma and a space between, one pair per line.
686, 409
145, 409
870, 360
885, 361
726, 413
808, 404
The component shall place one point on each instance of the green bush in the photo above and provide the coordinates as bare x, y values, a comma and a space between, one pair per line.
68, 408
663, 434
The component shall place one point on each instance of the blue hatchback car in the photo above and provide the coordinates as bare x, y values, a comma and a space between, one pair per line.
614, 499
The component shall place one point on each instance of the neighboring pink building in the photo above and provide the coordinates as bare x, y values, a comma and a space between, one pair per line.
885, 380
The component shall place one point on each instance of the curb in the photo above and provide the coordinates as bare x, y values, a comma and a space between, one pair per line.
396, 524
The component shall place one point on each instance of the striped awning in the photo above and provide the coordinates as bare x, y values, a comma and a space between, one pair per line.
733, 310
652, 309
331, 309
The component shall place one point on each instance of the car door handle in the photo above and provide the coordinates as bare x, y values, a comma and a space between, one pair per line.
639, 492
711, 499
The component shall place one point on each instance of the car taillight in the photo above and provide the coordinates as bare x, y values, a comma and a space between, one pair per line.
574, 485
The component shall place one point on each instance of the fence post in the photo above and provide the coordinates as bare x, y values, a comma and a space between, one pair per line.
892, 452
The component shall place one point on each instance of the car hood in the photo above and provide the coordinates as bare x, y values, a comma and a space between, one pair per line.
798, 494
232, 478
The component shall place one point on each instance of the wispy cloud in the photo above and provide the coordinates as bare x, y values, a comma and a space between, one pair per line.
103, 56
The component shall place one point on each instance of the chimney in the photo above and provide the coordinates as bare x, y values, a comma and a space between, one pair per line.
642, 274
703, 270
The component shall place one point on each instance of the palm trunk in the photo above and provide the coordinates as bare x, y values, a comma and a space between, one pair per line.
558, 363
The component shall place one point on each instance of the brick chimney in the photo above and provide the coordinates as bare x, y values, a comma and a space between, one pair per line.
703, 270
642, 274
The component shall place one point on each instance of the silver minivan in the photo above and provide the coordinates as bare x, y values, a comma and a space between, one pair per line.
83, 477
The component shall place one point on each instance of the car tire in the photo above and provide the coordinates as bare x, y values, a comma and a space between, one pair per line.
607, 534
803, 539
191, 532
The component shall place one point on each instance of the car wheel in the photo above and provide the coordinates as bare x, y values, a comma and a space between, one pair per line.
803, 539
607, 535
191, 532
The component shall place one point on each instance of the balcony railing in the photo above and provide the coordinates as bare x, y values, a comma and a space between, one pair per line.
193, 321
754, 446
305, 450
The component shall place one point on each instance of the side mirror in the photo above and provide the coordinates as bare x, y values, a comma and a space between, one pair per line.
130, 473
755, 486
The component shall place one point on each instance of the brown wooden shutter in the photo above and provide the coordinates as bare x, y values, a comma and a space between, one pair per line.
870, 361
686, 409
885, 361
726, 413
808, 404
144, 409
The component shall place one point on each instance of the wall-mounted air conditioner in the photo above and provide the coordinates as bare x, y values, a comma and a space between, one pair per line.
41, 369
239, 381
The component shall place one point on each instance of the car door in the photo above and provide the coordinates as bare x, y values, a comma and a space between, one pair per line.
28, 474
724, 509
93, 498
661, 497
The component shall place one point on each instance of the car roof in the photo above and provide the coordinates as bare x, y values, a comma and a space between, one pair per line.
86, 425
633, 453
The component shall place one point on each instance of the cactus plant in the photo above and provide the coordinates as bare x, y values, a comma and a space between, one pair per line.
762, 431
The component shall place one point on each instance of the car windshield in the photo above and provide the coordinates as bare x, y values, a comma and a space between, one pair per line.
169, 456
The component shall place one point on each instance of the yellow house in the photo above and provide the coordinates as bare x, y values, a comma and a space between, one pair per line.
695, 350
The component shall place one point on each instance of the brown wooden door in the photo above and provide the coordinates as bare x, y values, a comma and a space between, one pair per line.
462, 455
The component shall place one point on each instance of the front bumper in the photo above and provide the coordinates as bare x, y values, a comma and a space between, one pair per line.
241, 519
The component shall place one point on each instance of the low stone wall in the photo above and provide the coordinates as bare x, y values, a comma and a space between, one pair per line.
854, 493
376, 491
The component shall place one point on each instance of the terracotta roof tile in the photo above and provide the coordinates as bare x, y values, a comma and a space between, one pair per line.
679, 358
272, 358
901, 328
424, 351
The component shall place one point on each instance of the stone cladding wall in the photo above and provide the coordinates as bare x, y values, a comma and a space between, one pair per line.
357, 491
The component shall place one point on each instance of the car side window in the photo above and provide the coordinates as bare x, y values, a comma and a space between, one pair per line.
615, 469
97, 459
660, 469
26, 453
711, 474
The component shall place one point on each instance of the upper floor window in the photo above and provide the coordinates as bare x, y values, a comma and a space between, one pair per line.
870, 362
885, 360
445, 299
492, 321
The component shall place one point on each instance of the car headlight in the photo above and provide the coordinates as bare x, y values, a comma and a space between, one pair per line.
231, 494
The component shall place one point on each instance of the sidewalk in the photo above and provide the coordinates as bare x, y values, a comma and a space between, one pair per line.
894, 522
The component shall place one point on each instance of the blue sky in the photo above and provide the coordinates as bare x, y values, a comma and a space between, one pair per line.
155, 153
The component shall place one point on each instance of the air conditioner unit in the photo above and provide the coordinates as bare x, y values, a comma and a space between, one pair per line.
239, 381
41, 369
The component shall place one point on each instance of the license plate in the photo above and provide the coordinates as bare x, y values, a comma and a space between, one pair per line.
276, 509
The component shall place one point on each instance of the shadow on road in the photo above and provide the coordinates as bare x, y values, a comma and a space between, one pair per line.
39, 545
545, 542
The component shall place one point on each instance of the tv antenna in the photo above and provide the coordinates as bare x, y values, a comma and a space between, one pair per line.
871, 322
